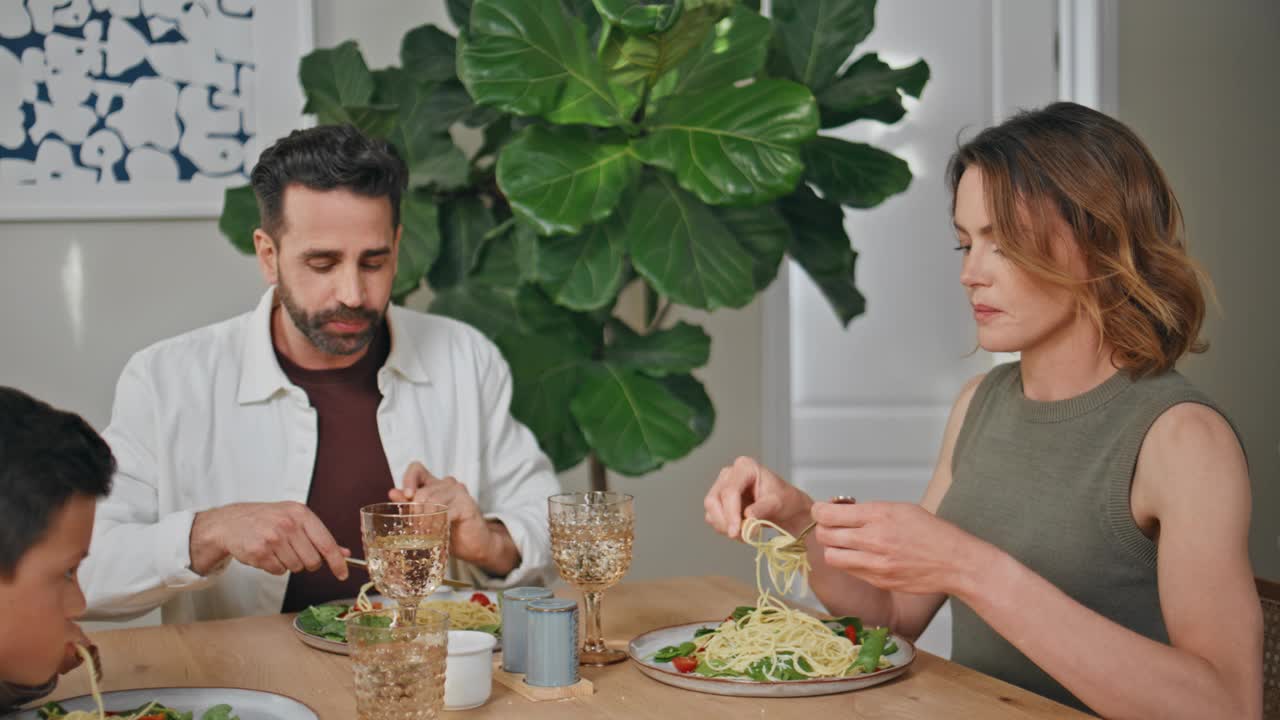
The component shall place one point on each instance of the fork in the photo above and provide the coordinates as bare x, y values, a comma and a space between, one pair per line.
798, 542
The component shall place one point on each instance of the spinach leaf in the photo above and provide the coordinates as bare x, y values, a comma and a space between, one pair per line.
671, 652
219, 712
838, 625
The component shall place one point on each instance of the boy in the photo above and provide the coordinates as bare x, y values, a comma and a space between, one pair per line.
53, 467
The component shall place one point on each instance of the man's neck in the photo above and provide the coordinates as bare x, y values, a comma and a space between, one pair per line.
291, 343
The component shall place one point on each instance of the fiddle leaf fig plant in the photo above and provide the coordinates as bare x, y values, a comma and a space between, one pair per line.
669, 144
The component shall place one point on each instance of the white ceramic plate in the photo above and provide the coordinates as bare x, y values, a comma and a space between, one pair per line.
643, 648
247, 704
341, 648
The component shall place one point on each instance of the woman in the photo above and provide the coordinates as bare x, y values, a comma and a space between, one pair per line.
1089, 511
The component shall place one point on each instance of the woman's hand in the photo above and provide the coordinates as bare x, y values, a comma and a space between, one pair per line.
748, 489
900, 547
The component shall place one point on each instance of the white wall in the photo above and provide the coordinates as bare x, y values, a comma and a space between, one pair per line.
1197, 81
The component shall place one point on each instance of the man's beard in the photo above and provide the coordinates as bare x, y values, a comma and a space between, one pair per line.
313, 325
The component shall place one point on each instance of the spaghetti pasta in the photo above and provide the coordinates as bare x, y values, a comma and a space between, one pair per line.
773, 641
463, 615
92, 667
467, 615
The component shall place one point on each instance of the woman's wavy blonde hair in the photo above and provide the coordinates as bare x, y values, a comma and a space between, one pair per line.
1142, 290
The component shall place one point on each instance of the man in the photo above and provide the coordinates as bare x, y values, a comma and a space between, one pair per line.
247, 448
52, 468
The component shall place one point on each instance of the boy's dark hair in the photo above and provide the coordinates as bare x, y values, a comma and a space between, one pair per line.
326, 158
46, 457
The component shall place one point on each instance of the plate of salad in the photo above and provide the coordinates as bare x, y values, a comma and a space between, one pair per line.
323, 627
177, 704
678, 656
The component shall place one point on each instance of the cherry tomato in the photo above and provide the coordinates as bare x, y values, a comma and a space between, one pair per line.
481, 599
685, 664
852, 633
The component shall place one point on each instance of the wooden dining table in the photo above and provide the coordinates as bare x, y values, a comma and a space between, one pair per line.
264, 653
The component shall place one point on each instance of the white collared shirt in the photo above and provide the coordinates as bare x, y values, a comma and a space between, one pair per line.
208, 418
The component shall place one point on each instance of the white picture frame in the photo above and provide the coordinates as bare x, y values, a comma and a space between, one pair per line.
267, 99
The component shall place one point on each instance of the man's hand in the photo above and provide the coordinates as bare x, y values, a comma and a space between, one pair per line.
277, 537
481, 542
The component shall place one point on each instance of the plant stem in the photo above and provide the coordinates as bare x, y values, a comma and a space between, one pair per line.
500, 228
599, 474
657, 319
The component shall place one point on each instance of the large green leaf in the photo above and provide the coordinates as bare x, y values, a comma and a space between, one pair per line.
561, 179
634, 423
763, 233
855, 174
239, 217
689, 390
734, 145
498, 263
684, 251
736, 49
538, 314
820, 245
459, 13
489, 309
427, 53
529, 255
673, 351
419, 241
463, 226
425, 144
645, 58
389, 85
377, 121
813, 38
532, 58
546, 373
335, 79
869, 88
641, 16
584, 271
502, 311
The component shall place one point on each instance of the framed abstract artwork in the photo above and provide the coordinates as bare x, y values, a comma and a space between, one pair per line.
142, 108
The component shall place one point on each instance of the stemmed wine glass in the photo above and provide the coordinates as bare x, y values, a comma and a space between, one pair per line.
591, 538
407, 547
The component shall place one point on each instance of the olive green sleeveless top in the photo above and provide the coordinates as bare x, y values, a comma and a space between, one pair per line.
1048, 483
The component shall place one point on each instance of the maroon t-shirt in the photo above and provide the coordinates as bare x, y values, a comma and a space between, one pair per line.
351, 468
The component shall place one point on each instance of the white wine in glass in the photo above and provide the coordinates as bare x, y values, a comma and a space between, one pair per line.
591, 538
407, 547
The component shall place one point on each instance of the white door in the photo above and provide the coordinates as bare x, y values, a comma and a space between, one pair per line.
868, 404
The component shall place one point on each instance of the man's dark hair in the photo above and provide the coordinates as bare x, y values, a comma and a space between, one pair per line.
46, 457
327, 158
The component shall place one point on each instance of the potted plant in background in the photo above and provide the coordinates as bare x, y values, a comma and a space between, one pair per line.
672, 145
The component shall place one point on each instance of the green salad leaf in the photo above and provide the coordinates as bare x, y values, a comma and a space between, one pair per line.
322, 621
671, 652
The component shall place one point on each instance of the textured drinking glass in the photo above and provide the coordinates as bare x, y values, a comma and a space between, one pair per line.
591, 537
399, 670
407, 547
